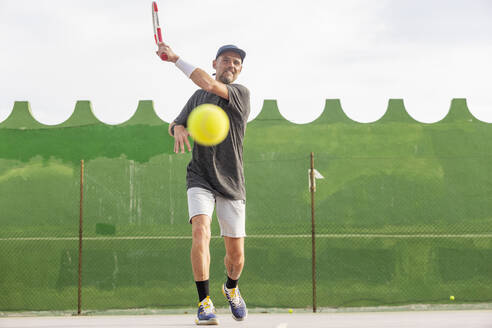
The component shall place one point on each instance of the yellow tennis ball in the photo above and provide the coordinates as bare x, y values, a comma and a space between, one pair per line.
290, 310
208, 124
451, 298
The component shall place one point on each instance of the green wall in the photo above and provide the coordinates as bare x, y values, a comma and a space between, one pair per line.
403, 214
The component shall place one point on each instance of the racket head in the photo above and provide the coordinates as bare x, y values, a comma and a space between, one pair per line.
157, 28
155, 23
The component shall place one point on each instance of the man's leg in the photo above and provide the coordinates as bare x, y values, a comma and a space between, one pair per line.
200, 253
232, 218
200, 262
201, 204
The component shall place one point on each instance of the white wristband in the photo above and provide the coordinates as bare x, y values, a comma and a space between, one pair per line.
185, 67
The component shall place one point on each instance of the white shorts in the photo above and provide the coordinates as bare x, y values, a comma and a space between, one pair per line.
230, 213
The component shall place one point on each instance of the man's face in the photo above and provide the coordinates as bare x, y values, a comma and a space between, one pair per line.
228, 66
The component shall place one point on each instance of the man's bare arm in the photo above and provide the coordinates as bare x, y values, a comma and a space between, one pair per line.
198, 76
207, 83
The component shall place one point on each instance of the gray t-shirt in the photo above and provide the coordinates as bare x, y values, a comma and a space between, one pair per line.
220, 168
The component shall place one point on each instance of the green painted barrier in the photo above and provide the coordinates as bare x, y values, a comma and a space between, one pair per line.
403, 216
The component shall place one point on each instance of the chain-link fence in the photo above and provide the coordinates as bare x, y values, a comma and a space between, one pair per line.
381, 239
403, 215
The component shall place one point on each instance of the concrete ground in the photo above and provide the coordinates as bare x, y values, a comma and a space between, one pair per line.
407, 319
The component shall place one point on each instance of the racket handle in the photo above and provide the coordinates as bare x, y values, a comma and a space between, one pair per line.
164, 57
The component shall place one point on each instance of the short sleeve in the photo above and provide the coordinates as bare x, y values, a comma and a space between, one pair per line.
239, 98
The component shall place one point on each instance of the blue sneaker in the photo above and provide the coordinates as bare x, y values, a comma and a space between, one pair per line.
206, 313
236, 302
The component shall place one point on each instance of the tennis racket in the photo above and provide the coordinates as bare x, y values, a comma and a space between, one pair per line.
157, 28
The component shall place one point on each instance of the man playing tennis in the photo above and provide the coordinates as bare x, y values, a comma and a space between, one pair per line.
215, 176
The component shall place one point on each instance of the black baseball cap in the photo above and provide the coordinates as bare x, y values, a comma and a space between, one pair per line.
231, 47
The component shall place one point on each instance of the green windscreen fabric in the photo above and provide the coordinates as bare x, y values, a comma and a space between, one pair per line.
403, 214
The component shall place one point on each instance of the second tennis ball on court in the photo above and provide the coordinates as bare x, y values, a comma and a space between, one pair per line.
208, 124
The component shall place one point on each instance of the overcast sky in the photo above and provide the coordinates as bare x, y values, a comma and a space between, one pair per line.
54, 52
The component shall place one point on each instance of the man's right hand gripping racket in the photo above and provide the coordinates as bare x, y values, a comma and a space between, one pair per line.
157, 28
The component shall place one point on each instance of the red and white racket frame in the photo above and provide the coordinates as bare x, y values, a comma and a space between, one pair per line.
157, 28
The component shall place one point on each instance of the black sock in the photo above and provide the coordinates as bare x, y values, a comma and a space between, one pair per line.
231, 283
202, 288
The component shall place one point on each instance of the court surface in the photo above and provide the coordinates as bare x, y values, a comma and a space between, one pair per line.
434, 319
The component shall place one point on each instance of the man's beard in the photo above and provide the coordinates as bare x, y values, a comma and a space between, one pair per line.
226, 79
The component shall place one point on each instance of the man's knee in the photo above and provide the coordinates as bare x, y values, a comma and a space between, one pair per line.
201, 227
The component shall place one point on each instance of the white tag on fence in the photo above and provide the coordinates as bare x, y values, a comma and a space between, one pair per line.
317, 175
